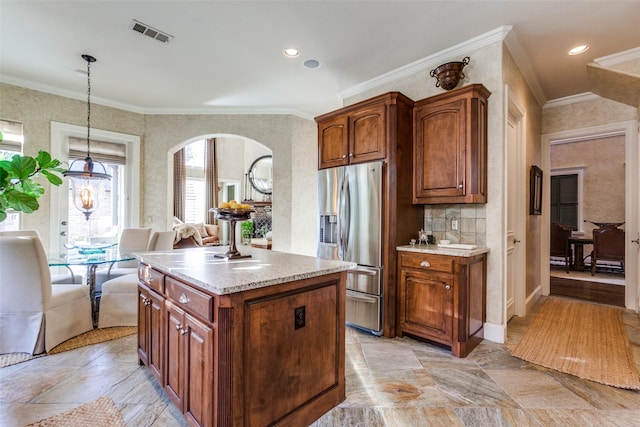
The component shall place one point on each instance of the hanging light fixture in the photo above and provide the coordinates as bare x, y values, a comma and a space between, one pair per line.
88, 178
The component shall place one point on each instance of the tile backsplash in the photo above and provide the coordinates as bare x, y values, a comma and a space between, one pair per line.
471, 220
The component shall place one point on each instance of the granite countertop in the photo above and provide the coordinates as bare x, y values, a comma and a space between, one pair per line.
437, 250
200, 267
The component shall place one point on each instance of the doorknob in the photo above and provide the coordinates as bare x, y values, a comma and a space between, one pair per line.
63, 223
636, 241
63, 233
516, 241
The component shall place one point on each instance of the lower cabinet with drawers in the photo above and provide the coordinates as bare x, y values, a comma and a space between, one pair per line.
267, 356
442, 298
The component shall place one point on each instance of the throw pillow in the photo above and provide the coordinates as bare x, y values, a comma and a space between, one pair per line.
201, 229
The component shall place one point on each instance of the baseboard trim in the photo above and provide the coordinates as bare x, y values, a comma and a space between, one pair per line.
495, 333
533, 298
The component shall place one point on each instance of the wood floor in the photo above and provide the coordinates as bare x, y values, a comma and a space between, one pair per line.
603, 288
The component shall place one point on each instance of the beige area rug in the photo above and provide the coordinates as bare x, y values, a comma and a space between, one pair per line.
99, 413
585, 340
91, 337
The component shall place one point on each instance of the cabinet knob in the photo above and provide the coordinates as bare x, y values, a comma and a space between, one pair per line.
425, 264
447, 287
183, 299
460, 186
344, 156
178, 327
183, 331
350, 154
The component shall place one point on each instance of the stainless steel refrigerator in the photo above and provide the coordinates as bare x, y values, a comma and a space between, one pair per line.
350, 209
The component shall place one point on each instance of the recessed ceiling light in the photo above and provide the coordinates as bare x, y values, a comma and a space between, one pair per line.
311, 63
291, 53
579, 49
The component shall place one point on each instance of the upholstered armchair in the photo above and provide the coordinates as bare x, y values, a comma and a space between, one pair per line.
35, 315
195, 235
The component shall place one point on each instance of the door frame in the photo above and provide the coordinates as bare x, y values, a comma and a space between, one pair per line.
516, 113
60, 133
632, 201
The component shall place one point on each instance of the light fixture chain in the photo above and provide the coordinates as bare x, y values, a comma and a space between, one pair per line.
88, 107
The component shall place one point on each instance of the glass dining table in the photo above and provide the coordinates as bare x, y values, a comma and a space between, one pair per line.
90, 257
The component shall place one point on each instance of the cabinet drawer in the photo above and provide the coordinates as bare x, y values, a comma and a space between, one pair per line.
427, 262
151, 278
194, 301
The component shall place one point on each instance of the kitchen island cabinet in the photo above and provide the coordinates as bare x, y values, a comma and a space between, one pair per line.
442, 296
450, 147
250, 342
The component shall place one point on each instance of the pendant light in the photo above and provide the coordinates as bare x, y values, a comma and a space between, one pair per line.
88, 178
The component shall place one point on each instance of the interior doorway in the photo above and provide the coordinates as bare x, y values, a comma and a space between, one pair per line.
627, 190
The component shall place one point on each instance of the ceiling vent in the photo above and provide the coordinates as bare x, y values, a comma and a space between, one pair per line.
141, 28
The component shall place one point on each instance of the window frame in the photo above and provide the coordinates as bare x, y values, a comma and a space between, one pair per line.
573, 171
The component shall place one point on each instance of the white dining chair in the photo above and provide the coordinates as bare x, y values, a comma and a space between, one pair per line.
119, 299
131, 240
36, 315
60, 278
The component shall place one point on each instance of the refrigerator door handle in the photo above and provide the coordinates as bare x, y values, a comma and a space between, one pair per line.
341, 218
346, 225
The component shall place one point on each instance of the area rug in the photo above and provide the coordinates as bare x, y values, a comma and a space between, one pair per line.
581, 339
99, 413
91, 337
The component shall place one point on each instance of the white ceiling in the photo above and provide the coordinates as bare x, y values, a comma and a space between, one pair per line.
226, 56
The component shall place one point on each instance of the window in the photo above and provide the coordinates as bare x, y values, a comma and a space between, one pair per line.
11, 141
565, 200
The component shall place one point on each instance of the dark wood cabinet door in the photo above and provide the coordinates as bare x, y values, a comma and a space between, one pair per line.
143, 326
367, 134
175, 364
450, 147
199, 371
332, 142
155, 309
428, 305
440, 150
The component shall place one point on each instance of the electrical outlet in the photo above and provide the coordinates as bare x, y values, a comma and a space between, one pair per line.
454, 224
299, 317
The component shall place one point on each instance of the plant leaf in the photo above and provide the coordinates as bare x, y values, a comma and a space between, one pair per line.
22, 167
52, 178
21, 201
3, 215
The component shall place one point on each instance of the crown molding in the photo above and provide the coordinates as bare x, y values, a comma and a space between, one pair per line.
430, 61
618, 58
27, 84
520, 57
572, 99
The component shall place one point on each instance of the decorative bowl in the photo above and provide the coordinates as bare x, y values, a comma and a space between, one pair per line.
448, 75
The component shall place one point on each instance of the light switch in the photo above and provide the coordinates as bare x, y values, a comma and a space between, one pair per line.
454, 224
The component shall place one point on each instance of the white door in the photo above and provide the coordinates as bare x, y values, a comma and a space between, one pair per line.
516, 203
66, 223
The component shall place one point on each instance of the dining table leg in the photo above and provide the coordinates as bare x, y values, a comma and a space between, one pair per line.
91, 282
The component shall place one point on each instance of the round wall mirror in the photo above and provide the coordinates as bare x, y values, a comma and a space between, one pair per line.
261, 175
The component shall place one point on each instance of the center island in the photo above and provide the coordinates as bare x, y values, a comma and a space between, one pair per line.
256, 341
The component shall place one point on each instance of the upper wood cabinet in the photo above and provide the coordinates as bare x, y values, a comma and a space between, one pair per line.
358, 133
450, 147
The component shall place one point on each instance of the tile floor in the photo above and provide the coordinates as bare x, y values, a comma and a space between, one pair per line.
390, 382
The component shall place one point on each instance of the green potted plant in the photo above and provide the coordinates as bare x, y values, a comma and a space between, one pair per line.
247, 232
18, 187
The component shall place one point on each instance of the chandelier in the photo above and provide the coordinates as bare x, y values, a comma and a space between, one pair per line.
88, 178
